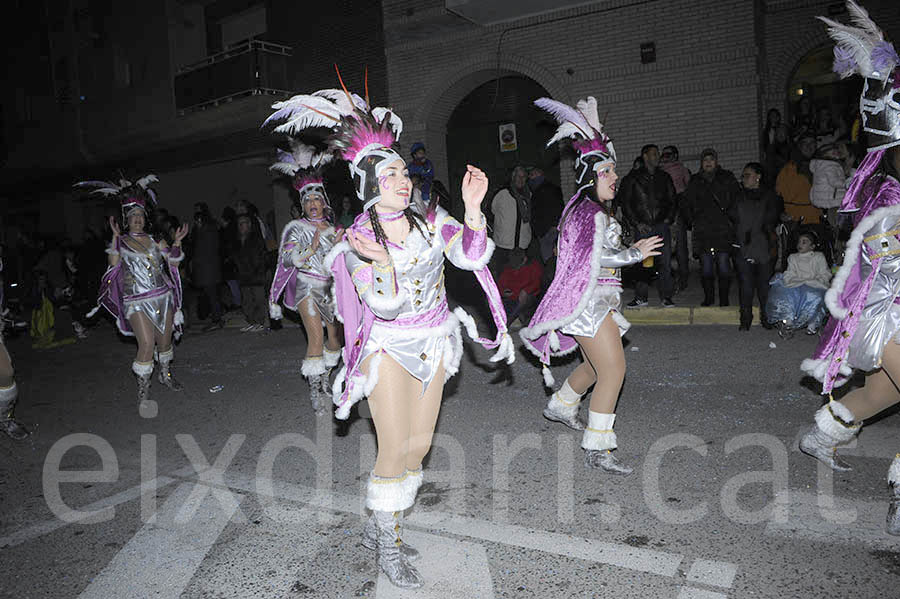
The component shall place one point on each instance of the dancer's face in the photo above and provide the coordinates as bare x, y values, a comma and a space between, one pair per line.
136, 221
395, 187
314, 205
605, 182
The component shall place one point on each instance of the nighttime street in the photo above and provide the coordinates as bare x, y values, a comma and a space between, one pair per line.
721, 503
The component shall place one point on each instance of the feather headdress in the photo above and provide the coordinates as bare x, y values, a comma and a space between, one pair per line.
862, 49
581, 124
131, 195
361, 134
303, 165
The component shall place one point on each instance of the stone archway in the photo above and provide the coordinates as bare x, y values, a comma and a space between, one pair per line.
430, 121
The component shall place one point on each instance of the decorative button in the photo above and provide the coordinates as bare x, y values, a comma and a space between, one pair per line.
423, 356
845, 334
379, 279
379, 292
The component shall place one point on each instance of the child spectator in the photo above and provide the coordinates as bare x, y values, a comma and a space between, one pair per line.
520, 284
797, 296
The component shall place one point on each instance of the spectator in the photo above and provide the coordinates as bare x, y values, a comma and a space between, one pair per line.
829, 179
206, 262
755, 216
797, 297
681, 176
249, 257
229, 240
347, 214
245, 207
647, 197
420, 165
548, 204
417, 200
776, 145
794, 182
512, 219
709, 200
803, 122
828, 130
520, 284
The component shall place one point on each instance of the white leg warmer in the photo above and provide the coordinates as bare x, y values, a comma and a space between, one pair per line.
8, 400
166, 356
415, 479
390, 494
599, 433
142, 368
332, 357
894, 472
313, 366
835, 420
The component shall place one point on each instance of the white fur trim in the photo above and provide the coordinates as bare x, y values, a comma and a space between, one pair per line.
178, 319
175, 260
7, 397
337, 250
549, 381
567, 394
506, 350
453, 351
166, 356
384, 304
816, 368
460, 260
599, 434
467, 321
362, 387
415, 478
295, 257
851, 256
275, 312
553, 340
92, 312
894, 472
831, 427
112, 251
390, 494
311, 367
570, 410
528, 334
331, 357
142, 369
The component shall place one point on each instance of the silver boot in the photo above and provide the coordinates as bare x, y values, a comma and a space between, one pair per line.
316, 395
831, 429
893, 514
566, 413
369, 540
391, 559
603, 459
8, 424
144, 374
165, 374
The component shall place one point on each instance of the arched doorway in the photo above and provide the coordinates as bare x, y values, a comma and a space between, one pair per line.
814, 89
474, 132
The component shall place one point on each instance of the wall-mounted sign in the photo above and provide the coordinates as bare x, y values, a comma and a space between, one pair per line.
648, 52
508, 142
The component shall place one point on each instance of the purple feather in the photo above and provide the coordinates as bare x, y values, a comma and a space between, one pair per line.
283, 156
884, 56
563, 113
844, 64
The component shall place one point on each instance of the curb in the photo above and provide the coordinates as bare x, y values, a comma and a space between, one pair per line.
687, 316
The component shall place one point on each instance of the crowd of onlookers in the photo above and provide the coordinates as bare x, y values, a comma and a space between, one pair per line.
774, 227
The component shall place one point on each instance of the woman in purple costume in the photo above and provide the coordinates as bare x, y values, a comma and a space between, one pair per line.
301, 276
142, 286
864, 299
581, 309
402, 342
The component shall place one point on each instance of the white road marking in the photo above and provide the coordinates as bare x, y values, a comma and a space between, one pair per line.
452, 569
713, 573
839, 521
161, 558
48, 526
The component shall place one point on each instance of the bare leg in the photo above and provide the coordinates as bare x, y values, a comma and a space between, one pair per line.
607, 358
333, 343
423, 418
564, 403
880, 391
312, 323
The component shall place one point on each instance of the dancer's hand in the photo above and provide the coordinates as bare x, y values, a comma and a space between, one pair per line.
339, 234
315, 242
115, 227
474, 186
368, 249
648, 246
181, 232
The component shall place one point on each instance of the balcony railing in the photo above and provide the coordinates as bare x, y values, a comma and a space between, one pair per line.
250, 69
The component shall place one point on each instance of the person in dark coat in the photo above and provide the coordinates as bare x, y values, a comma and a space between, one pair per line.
755, 215
206, 261
249, 259
709, 200
647, 197
547, 205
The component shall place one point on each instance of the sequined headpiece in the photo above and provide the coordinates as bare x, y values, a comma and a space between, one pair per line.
861, 49
362, 135
592, 146
132, 196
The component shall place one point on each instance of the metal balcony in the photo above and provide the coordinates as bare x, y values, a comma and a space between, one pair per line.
250, 69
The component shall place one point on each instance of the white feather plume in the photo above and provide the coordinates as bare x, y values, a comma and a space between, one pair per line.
380, 113
588, 109
146, 180
339, 97
860, 17
303, 111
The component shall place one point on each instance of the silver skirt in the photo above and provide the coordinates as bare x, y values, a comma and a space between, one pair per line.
155, 308
320, 292
604, 300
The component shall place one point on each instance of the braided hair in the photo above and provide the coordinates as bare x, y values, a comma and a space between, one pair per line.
411, 217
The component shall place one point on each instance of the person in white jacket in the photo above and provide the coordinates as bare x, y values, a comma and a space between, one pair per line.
797, 296
829, 182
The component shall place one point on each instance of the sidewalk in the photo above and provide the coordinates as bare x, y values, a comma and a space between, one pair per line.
687, 308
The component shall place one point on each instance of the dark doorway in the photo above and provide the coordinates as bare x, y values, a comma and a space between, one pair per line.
473, 134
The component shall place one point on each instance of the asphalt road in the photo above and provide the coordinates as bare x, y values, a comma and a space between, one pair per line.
244, 493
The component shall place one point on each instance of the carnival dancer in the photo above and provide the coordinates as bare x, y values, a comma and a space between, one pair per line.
581, 309
301, 276
9, 391
864, 330
401, 339
142, 286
